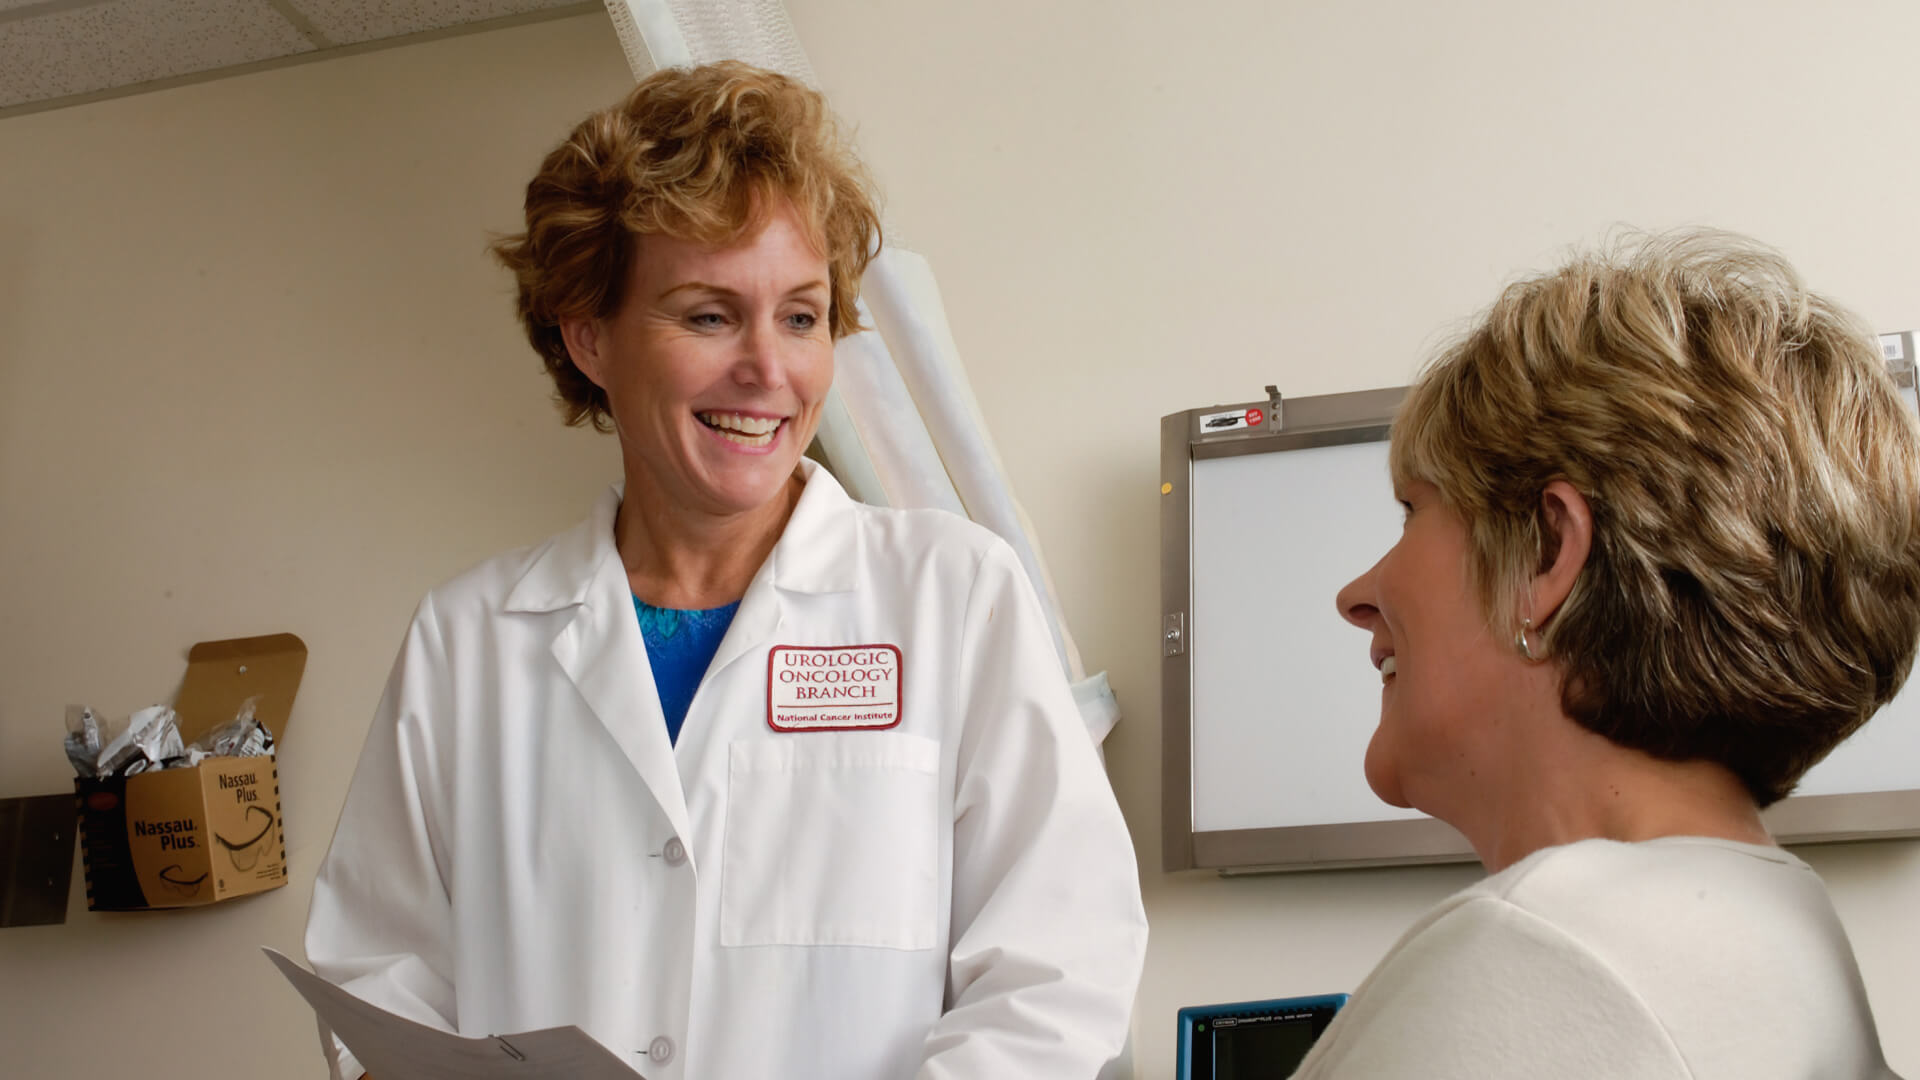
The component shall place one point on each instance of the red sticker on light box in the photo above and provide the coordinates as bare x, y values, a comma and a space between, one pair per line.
833, 687
1255, 417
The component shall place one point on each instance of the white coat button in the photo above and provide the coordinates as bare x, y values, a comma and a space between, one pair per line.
660, 1050
676, 854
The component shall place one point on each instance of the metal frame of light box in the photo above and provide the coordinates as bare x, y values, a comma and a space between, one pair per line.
1338, 420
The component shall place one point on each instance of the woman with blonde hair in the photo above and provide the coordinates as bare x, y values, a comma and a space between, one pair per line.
1661, 555
742, 777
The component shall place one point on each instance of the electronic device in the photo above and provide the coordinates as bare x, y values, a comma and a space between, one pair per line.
1251, 1040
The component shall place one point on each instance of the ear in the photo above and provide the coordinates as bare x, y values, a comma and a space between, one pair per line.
1568, 522
583, 338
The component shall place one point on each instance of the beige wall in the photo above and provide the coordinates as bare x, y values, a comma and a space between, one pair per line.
255, 374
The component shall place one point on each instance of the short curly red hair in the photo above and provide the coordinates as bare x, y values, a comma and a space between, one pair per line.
698, 154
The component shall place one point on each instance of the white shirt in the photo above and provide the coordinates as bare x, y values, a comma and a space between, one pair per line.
1680, 957
947, 890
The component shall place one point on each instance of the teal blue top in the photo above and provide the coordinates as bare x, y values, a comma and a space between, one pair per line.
680, 646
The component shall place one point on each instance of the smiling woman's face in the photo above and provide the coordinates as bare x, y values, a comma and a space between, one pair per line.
716, 365
1441, 664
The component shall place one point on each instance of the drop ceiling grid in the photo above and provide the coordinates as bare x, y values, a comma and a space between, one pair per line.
352, 21
53, 49
87, 49
7, 6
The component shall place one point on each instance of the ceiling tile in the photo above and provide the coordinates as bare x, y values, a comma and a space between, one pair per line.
345, 22
124, 42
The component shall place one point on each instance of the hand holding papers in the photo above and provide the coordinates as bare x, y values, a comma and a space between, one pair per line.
394, 1048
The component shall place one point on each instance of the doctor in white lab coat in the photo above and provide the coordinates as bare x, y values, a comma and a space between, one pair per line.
850, 828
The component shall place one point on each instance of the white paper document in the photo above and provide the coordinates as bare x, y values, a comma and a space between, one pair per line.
394, 1048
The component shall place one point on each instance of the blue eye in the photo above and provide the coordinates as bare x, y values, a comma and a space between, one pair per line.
707, 320
802, 320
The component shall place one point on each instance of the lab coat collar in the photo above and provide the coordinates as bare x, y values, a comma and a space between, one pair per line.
561, 574
581, 570
819, 551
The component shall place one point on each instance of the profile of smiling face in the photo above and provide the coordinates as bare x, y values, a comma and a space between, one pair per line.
716, 364
1461, 707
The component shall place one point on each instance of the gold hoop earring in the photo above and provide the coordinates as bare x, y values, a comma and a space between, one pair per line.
1520, 640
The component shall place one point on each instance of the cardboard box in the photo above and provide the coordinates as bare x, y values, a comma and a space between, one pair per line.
184, 837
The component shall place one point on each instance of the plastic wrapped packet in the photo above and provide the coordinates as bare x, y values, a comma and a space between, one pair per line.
152, 736
151, 741
159, 739
118, 751
244, 736
84, 739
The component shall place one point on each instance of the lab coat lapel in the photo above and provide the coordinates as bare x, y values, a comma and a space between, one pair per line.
601, 650
755, 622
818, 552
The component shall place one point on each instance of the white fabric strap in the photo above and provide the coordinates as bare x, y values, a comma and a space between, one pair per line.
1098, 707
649, 35
847, 456
912, 319
888, 420
674, 33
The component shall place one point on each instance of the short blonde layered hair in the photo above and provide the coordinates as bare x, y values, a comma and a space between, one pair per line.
699, 154
1753, 591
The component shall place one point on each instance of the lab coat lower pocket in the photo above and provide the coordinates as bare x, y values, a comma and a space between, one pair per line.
832, 839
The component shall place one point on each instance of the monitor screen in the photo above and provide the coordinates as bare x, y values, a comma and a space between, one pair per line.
1252, 1040
1260, 1049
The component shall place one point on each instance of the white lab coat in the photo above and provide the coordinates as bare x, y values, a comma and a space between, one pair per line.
521, 847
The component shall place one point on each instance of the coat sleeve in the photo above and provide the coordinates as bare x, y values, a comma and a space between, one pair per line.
1048, 932
380, 922
1491, 991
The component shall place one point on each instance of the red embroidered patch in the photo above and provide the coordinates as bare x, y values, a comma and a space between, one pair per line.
833, 687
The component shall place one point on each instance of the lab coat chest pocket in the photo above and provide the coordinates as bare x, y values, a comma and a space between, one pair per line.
832, 839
